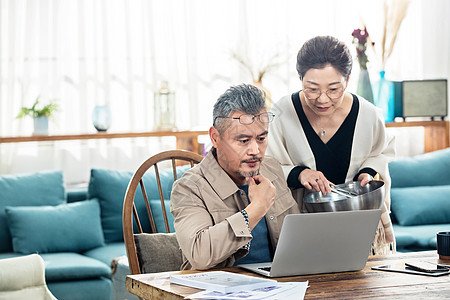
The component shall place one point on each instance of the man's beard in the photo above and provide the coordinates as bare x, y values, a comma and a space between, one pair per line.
249, 174
252, 173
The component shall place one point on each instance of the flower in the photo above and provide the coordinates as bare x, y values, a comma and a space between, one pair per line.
360, 40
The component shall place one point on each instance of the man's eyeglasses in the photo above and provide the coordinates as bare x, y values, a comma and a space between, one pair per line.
247, 119
313, 94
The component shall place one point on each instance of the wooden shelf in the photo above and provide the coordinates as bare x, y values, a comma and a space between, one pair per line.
185, 139
436, 136
436, 133
100, 135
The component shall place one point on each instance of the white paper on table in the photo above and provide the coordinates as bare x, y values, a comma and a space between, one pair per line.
296, 293
283, 290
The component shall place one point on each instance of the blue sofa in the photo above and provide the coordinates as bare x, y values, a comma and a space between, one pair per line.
77, 233
420, 196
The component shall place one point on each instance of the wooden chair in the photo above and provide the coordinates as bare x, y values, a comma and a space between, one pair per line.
136, 236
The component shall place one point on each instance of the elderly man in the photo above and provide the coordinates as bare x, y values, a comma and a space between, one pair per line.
229, 208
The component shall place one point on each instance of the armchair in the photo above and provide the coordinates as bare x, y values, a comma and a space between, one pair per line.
23, 277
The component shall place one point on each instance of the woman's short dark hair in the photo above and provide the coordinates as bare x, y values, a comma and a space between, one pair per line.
320, 51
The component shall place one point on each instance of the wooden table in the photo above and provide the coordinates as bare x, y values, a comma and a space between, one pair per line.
348, 285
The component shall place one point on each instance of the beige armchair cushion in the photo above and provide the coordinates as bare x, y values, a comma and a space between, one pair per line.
23, 277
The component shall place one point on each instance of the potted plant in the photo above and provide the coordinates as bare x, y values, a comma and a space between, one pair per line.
40, 115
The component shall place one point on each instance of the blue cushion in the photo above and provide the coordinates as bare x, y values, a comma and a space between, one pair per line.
92, 289
73, 266
427, 169
109, 186
42, 188
432, 242
155, 206
108, 252
404, 239
424, 236
421, 205
66, 227
9, 255
76, 195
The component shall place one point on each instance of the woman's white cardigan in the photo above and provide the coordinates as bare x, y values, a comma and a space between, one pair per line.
372, 147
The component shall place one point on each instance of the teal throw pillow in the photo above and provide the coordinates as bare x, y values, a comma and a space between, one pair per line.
158, 217
42, 188
421, 205
429, 169
109, 186
72, 227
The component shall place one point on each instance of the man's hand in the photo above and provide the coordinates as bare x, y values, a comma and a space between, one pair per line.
262, 196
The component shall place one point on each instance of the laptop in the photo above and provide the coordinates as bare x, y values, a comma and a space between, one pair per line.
315, 243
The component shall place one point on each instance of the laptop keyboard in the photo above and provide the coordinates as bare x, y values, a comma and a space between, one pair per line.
265, 269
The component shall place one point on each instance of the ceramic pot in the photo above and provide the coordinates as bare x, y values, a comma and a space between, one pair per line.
40, 125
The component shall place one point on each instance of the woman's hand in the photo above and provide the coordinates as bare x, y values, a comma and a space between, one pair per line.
365, 178
314, 180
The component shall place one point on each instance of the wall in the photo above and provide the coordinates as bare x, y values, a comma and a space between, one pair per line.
189, 43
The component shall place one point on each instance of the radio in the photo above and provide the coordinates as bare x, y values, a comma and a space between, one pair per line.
421, 98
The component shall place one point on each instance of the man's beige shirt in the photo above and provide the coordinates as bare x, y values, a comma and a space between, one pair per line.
206, 204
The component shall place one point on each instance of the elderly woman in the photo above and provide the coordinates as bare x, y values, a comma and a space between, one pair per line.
325, 135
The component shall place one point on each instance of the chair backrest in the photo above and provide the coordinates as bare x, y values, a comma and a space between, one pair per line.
134, 236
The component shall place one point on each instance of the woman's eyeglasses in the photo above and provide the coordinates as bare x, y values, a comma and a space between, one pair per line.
313, 94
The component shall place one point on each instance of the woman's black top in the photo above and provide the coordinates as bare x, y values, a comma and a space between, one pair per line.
332, 158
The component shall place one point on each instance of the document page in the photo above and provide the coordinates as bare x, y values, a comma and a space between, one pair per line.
281, 290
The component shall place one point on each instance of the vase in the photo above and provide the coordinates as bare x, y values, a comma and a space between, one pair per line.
101, 117
364, 86
384, 97
40, 125
267, 95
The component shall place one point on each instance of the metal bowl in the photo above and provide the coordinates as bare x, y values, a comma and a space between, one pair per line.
370, 196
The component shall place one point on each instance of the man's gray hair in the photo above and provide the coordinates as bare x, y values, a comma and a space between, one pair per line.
246, 98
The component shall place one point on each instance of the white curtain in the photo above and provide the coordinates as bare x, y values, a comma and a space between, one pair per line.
85, 53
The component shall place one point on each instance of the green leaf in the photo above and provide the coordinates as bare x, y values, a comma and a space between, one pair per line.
36, 112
